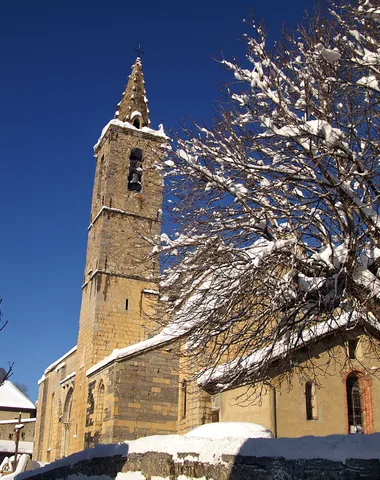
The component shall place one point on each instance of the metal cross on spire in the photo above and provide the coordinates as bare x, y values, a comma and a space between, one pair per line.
138, 50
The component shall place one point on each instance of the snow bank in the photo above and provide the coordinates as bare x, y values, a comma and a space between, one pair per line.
338, 448
334, 447
230, 429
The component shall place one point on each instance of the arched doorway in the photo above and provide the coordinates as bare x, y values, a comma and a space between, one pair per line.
66, 423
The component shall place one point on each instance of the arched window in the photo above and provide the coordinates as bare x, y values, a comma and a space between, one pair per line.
135, 170
66, 422
354, 405
137, 122
311, 401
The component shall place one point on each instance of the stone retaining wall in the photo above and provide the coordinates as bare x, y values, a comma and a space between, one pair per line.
231, 468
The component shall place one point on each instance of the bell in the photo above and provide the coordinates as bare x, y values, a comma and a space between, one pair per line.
135, 183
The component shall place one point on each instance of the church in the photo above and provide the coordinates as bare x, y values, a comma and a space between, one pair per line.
122, 381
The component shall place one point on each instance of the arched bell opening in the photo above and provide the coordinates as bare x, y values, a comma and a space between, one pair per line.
135, 170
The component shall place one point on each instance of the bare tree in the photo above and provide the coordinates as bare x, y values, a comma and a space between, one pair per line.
23, 387
4, 373
277, 204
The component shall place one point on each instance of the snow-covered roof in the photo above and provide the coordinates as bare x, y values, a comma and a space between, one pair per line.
11, 397
9, 446
238, 372
56, 363
167, 335
128, 126
14, 420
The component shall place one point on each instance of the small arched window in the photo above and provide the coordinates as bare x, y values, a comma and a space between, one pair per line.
135, 170
67, 408
311, 401
137, 122
354, 405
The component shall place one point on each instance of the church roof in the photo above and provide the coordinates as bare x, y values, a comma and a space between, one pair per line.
242, 371
134, 104
12, 397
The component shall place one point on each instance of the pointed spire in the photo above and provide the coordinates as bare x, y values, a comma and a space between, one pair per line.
133, 107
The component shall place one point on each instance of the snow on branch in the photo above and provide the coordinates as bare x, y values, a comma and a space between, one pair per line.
277, 202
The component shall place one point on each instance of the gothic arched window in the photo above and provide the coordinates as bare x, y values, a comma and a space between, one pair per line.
66, 422
135, 170
354, 405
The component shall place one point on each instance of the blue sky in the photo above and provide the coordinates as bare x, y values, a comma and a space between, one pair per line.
63, 68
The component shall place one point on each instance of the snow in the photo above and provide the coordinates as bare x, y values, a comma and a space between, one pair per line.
100, 451
167, 335
220, 430
60, 366
109, 209
9, 446
11, 397
151, 292
330, 56
24, 420
57, 362
370, 82
68, 377
128, 126
338, 448
23, 463
320, 128
131, 476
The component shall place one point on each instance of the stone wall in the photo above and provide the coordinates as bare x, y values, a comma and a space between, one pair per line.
7, 430
282, 405
238, 467
140, 398
53, 392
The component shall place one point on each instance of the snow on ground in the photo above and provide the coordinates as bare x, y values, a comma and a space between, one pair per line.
230, 429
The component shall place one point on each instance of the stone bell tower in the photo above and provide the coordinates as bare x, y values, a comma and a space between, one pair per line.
119, 293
